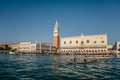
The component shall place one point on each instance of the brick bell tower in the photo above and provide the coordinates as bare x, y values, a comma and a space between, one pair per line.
56, 36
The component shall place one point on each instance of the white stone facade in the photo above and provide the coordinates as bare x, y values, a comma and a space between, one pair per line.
47, 48
25, 47
84, 44
117, 46
32, 47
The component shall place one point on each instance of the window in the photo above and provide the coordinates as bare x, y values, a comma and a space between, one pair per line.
70, 42
64, 42
76, 42
82, 42
95, 50
55, 32
118, 49
94, 42
88, 41
102, 41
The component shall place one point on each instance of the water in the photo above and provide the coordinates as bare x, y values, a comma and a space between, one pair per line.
54, 67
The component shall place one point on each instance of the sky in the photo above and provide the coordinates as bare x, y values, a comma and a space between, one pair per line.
23, 20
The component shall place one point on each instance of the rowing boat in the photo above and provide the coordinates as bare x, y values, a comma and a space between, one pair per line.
81, 61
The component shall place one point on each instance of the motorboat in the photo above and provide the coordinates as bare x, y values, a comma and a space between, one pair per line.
12, 52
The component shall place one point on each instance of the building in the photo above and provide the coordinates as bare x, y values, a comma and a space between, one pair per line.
15, 46
33, 47
116, 46
47, 48
56, 37
2, 46
26, 46
84, 44
110, 48
116, 49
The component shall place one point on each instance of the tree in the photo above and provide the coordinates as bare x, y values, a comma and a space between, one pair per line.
7, 47
1, 48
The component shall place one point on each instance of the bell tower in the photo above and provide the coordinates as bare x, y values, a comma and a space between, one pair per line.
56, 36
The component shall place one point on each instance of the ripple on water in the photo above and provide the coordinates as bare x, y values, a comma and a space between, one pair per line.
43, 67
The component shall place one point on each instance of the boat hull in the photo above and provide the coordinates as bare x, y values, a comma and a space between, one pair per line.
81, 61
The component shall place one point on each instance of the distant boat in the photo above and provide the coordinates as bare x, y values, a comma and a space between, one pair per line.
12, 52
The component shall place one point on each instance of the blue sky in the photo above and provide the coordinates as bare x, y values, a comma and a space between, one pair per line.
22, 20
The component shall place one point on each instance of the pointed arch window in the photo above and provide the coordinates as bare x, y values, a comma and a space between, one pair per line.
82, 42
64, 42
102, 41
95, 42
76, 41
88, 41
70, 42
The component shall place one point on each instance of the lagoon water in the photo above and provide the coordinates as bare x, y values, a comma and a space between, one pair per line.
54, 67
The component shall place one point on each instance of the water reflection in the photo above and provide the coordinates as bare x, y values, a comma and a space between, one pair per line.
46, 67
55, 65
95, 70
